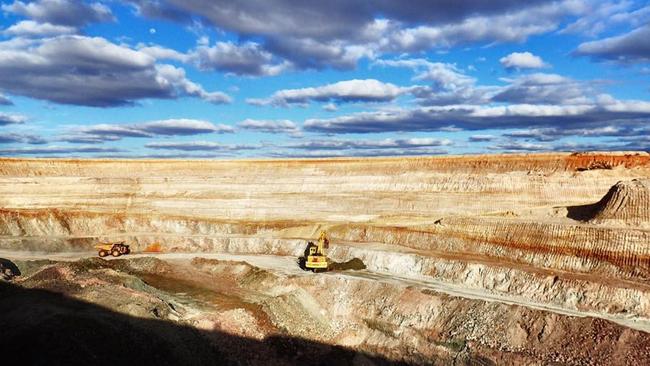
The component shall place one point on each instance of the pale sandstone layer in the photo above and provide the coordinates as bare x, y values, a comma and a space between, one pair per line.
562, 232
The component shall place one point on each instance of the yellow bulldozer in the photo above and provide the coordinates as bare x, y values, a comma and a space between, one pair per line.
315, 258
114, 249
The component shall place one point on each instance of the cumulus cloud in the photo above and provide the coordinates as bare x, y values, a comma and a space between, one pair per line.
330, 107
542, 88
510, 146
443, 75
522, 60
169, 127
362, 147
11, 119
318, 20
30, 28
182, 127
606, 15
449, 84
369, 90
83, 138
389, 143
197, 146
92, 72
5, 101
337, 34
74, 13
512, 26
569, 146
170, 155
163, 53
621, 129
244, 59
481, 138
312, 54
56, 150
11, 138
175, 76
627, 48
538, 134
473, 117
268, 126
357, 153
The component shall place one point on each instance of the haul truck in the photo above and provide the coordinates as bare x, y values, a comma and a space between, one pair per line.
114, 249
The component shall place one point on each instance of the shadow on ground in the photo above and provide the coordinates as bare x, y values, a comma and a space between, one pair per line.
41, 327
583, 213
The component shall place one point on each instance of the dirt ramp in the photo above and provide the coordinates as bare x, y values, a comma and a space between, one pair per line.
627, 202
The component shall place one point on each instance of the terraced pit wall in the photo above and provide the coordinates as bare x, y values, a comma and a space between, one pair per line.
483, 222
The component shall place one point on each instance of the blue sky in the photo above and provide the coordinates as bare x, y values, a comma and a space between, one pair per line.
222, 79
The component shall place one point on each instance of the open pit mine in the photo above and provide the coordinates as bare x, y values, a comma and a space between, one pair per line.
537, 259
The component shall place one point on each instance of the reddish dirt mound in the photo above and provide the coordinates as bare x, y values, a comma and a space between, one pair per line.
594, 161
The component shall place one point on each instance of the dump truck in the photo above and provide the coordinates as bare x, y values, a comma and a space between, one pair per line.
315, 258
114, 249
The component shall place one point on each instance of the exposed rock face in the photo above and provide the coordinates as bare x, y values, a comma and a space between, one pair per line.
454, 247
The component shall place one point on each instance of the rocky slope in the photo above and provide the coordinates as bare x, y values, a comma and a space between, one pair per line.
204, 311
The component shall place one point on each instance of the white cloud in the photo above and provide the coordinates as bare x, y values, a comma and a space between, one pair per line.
626, 48
541, 88
607, 15
245, 59
474, 117
10, 119
443, 75
277, 126
368, 90
481, 138
522, 60
61, 12
176, 77
163, 53
309, 35
168, 127
57, 150
197, 146
514, 26
30, 28
12, 137
330, 107
91, 71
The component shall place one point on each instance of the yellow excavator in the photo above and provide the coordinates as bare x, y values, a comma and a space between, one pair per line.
315, 258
